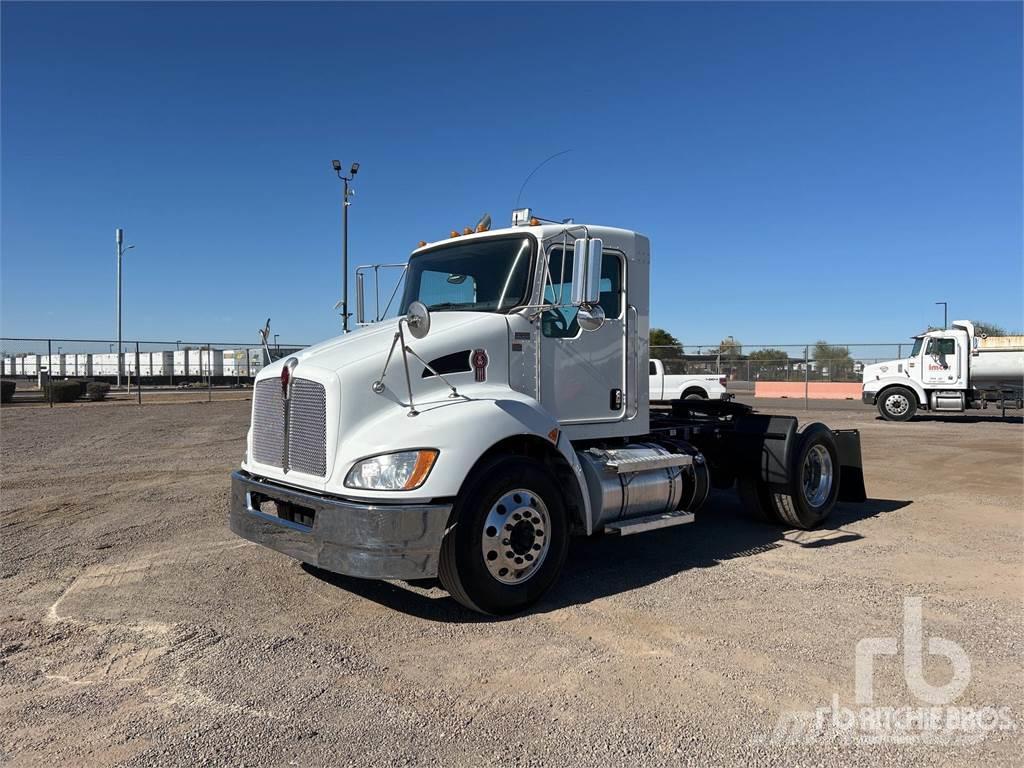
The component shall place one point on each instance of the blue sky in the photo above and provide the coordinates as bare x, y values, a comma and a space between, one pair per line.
805, 171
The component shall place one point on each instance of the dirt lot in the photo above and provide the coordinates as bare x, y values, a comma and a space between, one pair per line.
136, 630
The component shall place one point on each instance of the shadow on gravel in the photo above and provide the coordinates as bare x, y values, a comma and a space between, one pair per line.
953, 418
606, 565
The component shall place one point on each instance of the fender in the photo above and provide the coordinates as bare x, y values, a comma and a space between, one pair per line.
462, 430
875, 387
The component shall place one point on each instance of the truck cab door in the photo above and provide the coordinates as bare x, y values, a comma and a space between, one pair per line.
941, 362
583, 372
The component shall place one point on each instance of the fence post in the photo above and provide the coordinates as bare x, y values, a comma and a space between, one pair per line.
49, 373
138, 372
807, 379
209, 373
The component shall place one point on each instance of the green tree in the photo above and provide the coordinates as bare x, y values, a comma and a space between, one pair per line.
768, 364
988, 329
770, 355
664, 345
833, 361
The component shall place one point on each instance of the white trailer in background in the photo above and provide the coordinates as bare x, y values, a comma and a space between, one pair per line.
948, 371
186, 362
104, 364
211, 362
54, 364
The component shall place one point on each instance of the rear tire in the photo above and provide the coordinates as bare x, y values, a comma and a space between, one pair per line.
757, 499
509, 537
814, 480
695, 394
897, 403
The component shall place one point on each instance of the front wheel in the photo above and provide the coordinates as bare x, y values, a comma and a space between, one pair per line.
509, 538
897, 404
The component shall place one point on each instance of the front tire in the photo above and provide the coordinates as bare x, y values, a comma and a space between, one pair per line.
509, 537
897, 404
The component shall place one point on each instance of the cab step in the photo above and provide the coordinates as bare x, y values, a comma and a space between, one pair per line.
649, 523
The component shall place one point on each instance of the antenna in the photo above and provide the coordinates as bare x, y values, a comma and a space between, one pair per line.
527, 179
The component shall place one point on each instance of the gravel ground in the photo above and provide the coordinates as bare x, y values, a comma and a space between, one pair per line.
136, 630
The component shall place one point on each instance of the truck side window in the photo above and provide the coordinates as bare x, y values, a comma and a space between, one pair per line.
942, 347
560, 322
654, 369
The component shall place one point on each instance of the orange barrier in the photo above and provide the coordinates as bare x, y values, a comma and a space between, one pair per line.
816, 390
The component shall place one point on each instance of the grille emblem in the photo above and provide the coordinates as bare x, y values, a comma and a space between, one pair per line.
286, 392
286, 376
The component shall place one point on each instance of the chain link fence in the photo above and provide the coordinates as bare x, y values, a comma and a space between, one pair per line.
137, 371
150, 368
746, 364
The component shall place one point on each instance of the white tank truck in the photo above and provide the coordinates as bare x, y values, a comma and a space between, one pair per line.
505, 410
948, 371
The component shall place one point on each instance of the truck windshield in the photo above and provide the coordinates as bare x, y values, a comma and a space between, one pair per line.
918, 342
486, 275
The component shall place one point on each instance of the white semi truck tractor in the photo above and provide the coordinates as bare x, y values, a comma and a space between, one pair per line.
948, 370
504, 411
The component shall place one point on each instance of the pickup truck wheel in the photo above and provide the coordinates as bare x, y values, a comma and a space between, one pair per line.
695, 394
814, 480
509, 538
897, 404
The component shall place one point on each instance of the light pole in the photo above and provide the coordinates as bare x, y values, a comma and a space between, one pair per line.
945, 314
336, 164
119, 239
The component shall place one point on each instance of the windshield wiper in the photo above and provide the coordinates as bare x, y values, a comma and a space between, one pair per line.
450, 305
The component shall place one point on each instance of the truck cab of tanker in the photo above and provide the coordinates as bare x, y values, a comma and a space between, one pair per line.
947, 370
505, 408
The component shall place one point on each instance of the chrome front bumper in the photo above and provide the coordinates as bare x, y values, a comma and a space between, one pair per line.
373, 542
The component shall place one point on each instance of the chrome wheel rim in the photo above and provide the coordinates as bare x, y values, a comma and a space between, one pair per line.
817, 475
897, 404
516, 536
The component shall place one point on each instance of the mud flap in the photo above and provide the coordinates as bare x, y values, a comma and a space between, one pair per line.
764, 446
851, 469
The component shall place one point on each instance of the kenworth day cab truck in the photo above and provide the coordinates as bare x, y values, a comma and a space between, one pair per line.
948, 371
503, 411
664, 387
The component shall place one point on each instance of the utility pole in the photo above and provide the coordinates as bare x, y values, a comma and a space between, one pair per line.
945, 314
119, 242
345, 203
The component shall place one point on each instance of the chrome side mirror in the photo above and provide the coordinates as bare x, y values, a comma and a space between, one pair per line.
586, 271
590, 318
418, 319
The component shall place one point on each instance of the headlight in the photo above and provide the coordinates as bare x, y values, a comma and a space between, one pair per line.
402, 471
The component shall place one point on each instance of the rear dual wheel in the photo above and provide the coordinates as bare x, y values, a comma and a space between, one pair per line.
813, 484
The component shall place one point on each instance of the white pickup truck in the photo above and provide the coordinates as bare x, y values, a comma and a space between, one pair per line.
683, 386
504, 411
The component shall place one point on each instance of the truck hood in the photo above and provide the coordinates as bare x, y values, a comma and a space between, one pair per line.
359, 415
886, 370
372, 341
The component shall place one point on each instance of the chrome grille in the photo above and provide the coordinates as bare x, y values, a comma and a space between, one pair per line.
307, 428
268, 423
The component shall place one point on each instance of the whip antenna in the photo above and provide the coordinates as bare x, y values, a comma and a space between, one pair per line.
526, 181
